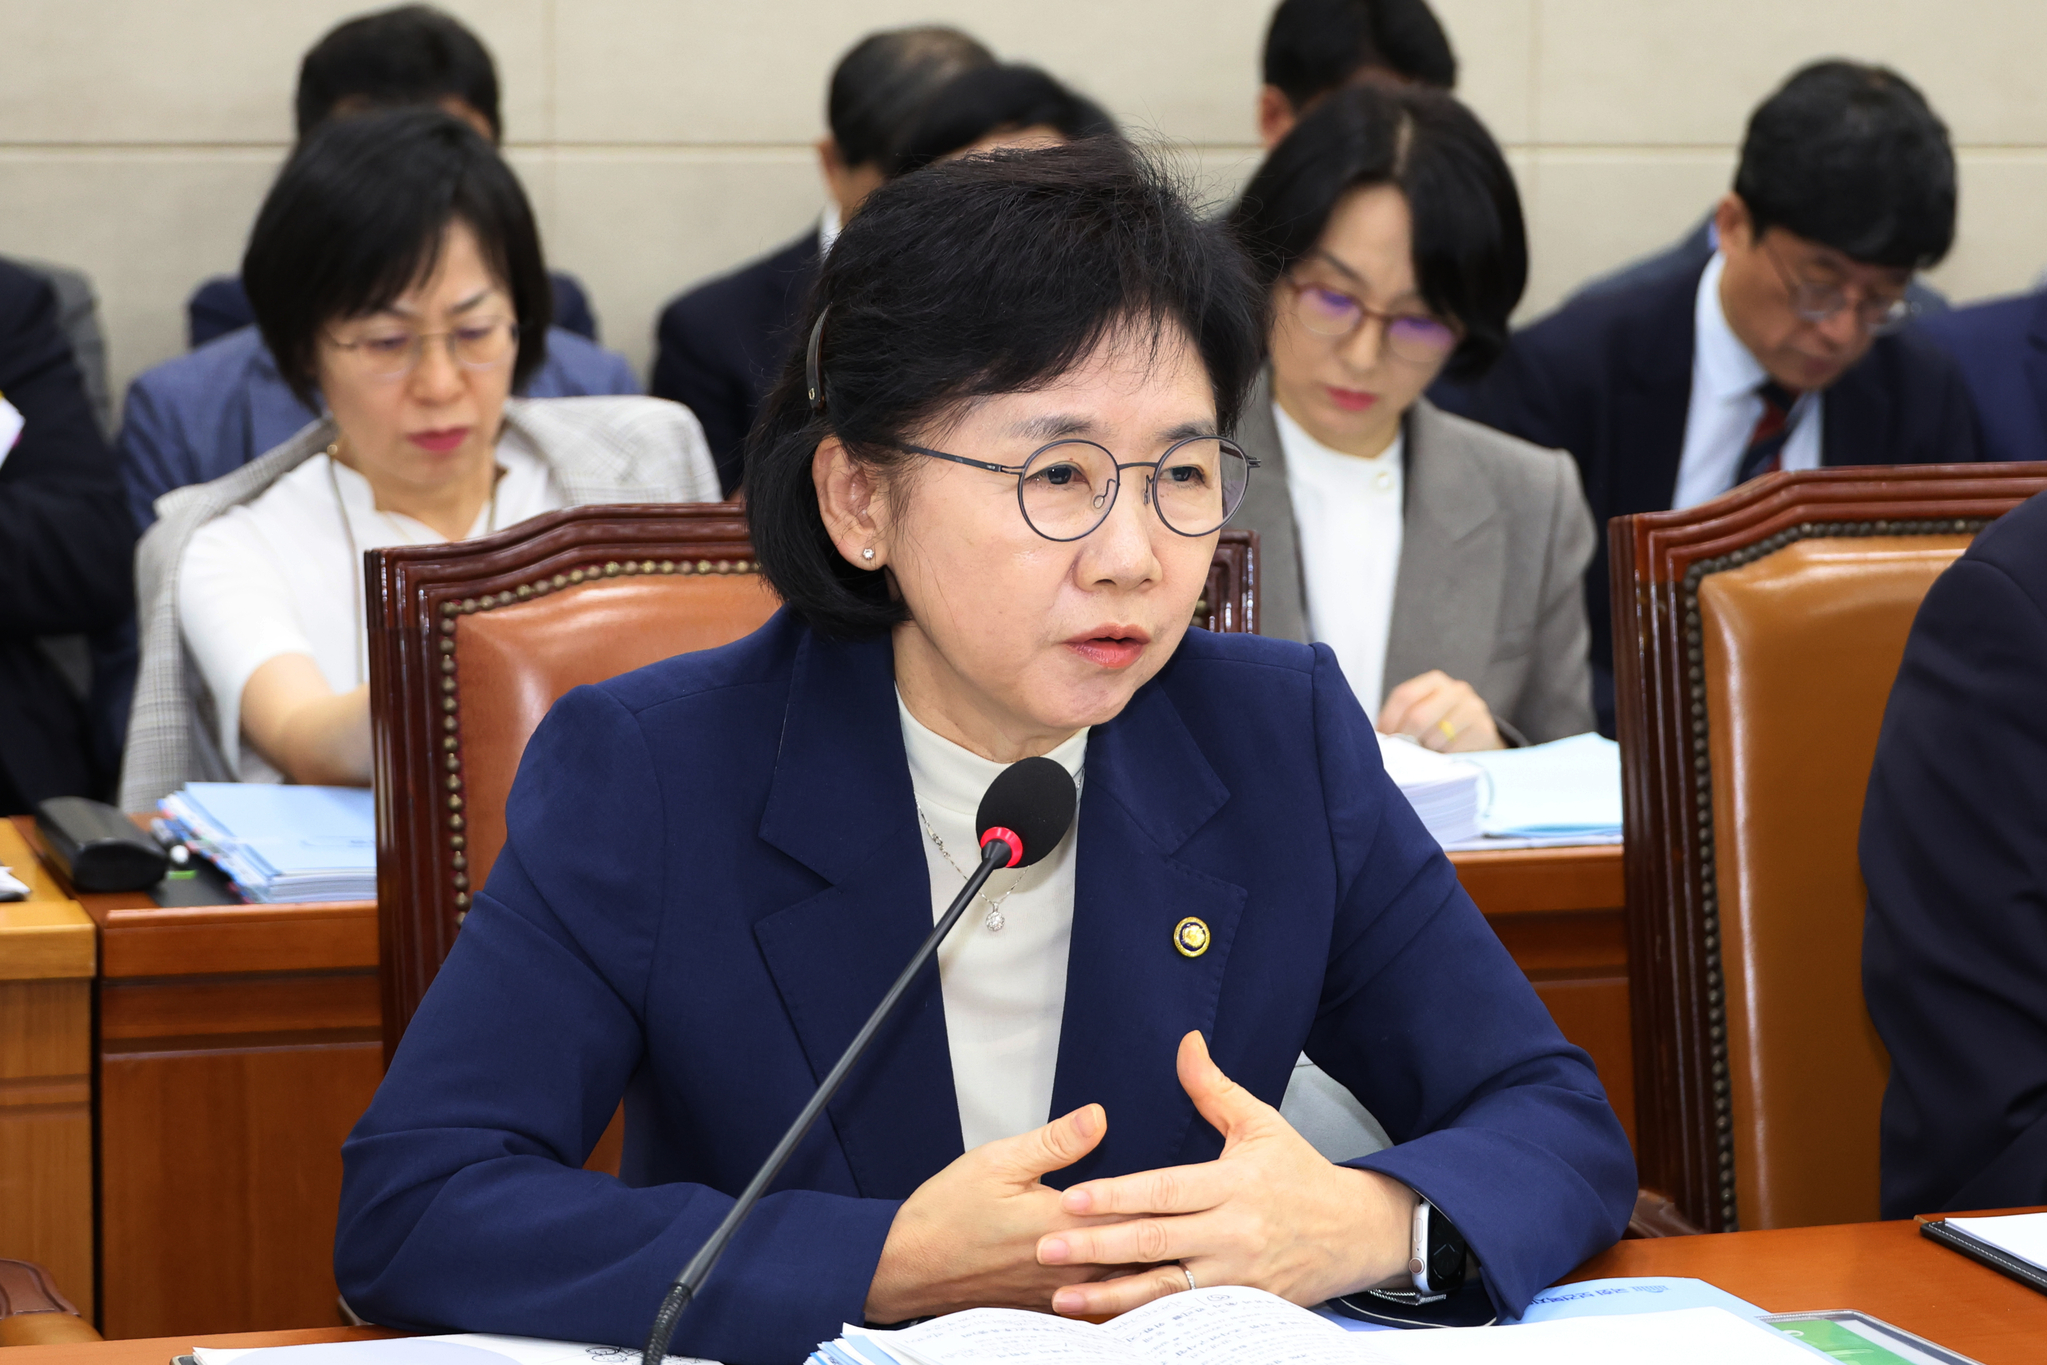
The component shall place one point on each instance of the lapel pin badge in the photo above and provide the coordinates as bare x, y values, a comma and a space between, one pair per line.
1190, 936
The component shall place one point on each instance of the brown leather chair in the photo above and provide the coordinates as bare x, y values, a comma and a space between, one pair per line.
33, 1312
1755, 641
471, 642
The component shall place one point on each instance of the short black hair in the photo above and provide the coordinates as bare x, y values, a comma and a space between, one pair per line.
977, 103
986, 275
396, 58
357, 217
1851, 156
1470, 243
1316, 46
884, 81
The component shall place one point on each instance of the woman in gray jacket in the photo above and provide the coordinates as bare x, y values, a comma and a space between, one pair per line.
1441, 560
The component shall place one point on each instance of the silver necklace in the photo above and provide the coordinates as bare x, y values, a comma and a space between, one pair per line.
993, 920
362, 635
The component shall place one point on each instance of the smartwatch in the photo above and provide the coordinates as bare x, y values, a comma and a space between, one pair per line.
1437, 1254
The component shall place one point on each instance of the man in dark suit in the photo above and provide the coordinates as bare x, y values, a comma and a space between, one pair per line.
721, 344
66, 544
1781, 351
2001, 348
1954, 850
414, 54
1313, 47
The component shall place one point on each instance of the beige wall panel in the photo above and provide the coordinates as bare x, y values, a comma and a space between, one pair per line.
703, 71
1624, 71
1590, 211
214, 71
2001, 245
146, 225
1495, 45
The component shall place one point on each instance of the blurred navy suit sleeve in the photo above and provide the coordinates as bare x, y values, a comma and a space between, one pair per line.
1497, 1120
465, 1207
1954, 850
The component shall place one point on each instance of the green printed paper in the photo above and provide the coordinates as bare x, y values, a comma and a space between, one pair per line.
1840, 1342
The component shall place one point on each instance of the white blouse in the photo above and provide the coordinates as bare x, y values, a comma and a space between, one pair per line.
1350, 514
277, 576
1004, 990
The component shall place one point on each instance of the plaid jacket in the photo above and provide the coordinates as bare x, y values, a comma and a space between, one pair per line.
600, 449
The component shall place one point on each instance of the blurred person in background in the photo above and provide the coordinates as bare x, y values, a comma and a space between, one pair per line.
205, 414
720, 344
66, 545
397, 275
1786, 349
1314, 47
1000, 108
1441, 560
390, 59
2000, 346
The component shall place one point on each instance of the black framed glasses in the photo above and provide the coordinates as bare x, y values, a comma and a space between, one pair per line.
1818, 300
1066, 489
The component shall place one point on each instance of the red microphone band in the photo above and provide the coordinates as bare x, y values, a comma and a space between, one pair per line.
1010, 837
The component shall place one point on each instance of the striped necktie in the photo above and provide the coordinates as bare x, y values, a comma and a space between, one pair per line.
1765, 451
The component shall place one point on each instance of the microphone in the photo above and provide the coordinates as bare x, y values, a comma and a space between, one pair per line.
1023, 815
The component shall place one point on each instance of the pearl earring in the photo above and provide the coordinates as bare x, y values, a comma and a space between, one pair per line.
868, 554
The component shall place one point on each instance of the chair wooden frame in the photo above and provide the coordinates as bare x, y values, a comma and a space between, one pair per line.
416, 595
1684, 1120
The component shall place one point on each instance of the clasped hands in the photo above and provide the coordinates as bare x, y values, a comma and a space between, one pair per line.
1270, 1212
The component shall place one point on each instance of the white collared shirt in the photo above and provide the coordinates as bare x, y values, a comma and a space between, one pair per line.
1725, 405
1348, 513
283, 574
1004, 992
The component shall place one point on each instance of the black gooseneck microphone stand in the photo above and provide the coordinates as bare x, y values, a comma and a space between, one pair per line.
995, 854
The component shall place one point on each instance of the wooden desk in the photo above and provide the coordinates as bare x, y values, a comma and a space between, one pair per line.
1885, 1269
237, 1045
1559, 911
47, 956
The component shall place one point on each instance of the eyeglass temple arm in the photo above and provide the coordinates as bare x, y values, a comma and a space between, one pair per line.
961, 459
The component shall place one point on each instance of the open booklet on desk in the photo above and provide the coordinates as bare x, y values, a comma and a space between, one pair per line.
1233, 1326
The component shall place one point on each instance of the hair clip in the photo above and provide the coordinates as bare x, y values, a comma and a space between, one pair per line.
812, 375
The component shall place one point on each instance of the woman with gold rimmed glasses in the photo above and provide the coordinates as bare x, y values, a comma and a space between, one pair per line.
398, 279
989, 506
1441, 560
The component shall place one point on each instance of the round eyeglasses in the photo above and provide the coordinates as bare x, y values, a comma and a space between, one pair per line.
1066, 489
394, 354
1412, 337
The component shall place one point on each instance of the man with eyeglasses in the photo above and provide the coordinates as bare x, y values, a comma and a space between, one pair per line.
1783, 351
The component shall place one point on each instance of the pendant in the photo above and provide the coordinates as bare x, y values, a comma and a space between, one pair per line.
994, 920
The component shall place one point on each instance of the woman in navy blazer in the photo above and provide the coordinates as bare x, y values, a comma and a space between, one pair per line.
715, 866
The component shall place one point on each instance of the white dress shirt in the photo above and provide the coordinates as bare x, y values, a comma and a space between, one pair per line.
1004, 992
277, 576
1348, 511
1725, 405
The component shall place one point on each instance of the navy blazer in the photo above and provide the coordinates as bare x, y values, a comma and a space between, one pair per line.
1608, 377
66, 547
721, 346
1954, 851
2001, 349
713, 870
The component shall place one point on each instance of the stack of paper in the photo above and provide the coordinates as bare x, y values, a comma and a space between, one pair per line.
1231, 1326
1565, 792
281, 844
1444, 791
